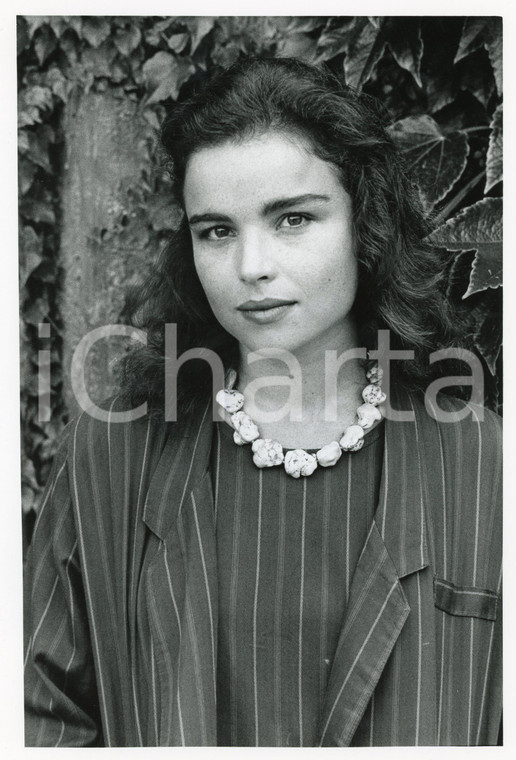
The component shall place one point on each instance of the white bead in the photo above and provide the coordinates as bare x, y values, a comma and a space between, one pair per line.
299, 462
373, 394
367, 415
351, 438
245, 427
231, 401
267, 453
375, 374
238, 439
329, 454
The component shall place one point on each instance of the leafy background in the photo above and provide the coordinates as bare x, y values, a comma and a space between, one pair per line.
440, 77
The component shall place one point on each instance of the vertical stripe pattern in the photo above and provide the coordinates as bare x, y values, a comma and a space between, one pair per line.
284, 546
173, 599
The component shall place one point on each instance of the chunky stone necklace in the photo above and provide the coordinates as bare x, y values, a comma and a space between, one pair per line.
270, 453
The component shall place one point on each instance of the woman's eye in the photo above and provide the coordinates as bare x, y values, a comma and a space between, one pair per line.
293, 220
216, 233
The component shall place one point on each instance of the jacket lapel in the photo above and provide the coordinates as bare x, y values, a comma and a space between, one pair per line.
183, 463
180, 581
378, 607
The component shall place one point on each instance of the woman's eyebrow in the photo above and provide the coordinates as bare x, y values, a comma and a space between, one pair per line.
282, 203
209, 216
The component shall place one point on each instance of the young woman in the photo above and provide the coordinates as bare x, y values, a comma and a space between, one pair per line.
308, 566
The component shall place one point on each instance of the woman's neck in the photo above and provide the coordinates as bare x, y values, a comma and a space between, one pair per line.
303, 399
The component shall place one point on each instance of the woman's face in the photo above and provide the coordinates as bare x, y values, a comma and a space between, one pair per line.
271, 228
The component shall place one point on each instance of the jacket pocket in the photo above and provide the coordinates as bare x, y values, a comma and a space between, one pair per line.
466, 601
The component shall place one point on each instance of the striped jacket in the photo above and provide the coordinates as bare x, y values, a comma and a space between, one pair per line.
121, 595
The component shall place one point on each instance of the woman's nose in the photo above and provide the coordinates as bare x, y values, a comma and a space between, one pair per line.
256, 261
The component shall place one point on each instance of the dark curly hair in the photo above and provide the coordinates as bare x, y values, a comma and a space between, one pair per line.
399, 274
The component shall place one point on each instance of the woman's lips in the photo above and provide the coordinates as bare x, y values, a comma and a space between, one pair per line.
266, 311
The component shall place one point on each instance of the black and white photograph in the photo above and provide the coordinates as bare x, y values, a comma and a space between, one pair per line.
260, 330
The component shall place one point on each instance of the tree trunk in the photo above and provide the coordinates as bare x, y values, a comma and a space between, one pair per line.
103, 237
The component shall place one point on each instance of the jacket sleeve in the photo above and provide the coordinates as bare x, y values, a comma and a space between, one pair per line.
60, 691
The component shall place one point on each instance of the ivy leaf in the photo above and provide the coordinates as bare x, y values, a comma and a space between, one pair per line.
494, 165
31, 249
26, 172
436, 160
329, 45
335, 40
28, 475
234, 35
120, 71
47, 450
364, 52
224, 54
303, 24
31, 101
35, 210
297, 45
165, 74
156, 33
178, 42
23, 142
406, 45
95, 29
36, 311
36, 144
458, 275
484, 31
58, 25
29, 486
478, 228
486, 270
44, 43
34, 23
472, 36
488, 327
127, 40
75, 23
152, 118
58, 83
199, 26
27, 115
97, 62
41, 97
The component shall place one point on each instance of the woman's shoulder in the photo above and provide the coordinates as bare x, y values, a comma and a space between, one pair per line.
460, 435
465, 410
110, 433
451, 414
